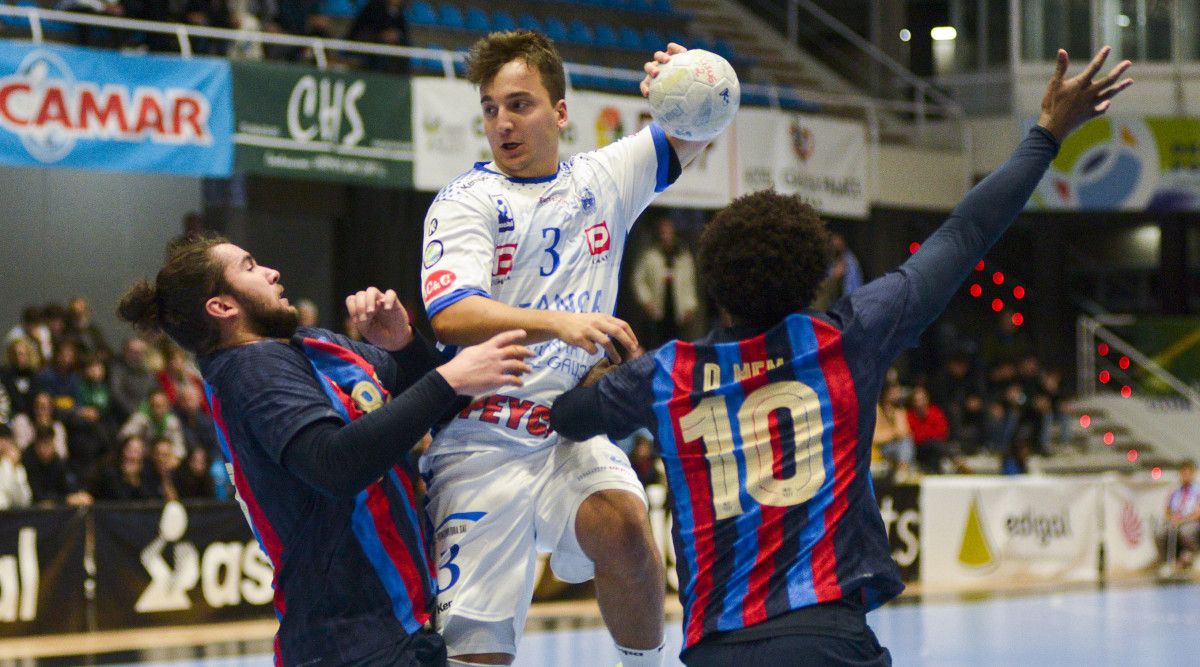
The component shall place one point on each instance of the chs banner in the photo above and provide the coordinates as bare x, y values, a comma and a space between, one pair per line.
65, 106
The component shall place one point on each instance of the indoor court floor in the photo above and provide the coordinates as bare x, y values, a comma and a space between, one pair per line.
1143, 625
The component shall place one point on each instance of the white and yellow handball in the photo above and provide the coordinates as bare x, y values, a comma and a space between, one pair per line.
695, 95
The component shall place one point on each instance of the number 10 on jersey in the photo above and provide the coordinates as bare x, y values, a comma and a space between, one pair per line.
797, 411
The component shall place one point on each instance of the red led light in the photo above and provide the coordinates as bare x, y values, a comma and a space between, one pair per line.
1018, 319
1155, 472
1126, 391
1102, 349
1123, 363
1108, 438
1131, 455
997, 305
1104, 377
1085, 420
979, 266
913, 247
976, 290
998, 278
1018, 292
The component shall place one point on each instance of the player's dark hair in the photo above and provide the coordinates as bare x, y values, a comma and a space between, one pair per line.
763, 257
1187, 463
493, 52
174, 304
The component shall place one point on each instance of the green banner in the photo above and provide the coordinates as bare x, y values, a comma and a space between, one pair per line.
299, 122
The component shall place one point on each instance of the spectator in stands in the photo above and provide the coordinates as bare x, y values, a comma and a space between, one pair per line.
54, 316
1007, 343
892, 437
193, 479
91, 35
50, 480
382, 21
306, 311
250, 15
1054, 422
178, 372
90, 427
664, 283
198, 429
1015, 460
163, 464
129, 379
930, 430
61, 378
643, 460
33, 329
26, 426
122, 474
6, 404
86, 334
19, 375
845, 274
14, 484
1182, 517
155, 420
210, 14
164, 11
957, 388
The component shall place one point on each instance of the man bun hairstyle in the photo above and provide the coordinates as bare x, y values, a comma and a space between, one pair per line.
174, 304
496, 50
764, 256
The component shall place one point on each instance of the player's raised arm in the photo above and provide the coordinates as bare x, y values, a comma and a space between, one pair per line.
938, 268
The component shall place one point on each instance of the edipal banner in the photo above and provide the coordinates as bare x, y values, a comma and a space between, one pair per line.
41, 571
178, 564
300, 122
979, 532
65, 106
1125, 164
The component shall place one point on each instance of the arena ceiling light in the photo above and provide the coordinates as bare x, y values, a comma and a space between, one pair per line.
943, 33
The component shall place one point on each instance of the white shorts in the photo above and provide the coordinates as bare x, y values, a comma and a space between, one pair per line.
491, 513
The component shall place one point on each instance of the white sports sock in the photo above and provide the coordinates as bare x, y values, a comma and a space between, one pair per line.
641, 657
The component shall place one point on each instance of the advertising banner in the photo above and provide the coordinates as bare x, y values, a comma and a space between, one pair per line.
177, 564
63, 106
449, 138
900, 507
1125, 164
41, 571
299, 122
1133, 516
821, 159
978, 532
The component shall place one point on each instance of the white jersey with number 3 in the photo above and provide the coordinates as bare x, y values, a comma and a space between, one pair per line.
552, 243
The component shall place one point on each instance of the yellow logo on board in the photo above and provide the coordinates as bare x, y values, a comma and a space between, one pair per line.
975, 551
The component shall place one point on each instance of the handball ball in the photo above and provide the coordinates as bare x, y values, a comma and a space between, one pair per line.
695, 95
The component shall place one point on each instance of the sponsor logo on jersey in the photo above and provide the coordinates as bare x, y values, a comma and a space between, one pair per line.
433, 253
504, 219
598, 239
438, 282
505, 254
587, 200
516, 414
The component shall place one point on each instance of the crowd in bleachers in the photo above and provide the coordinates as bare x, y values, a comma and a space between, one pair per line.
80, 422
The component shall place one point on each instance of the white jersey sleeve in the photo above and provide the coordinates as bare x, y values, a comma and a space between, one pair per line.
639, 167
457, 259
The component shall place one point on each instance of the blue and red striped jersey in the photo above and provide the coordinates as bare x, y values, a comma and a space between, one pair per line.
321, 546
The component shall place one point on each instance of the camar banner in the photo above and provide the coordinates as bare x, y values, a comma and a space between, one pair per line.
63, 106
178, 564
449, 138
298, 122
980, 532
41, 571
823, 160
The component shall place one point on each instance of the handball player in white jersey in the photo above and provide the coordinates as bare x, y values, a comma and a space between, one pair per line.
528, 242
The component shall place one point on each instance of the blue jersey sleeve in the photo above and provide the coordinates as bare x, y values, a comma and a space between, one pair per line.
893, 310
619, 404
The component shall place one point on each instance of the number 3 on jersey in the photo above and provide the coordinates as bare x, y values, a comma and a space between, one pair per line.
770, 416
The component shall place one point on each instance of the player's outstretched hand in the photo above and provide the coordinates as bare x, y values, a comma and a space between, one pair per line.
380, 318
483, 368
592, 331
1069, 103
660, 57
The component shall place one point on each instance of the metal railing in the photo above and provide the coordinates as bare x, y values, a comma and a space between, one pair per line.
1090, 330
